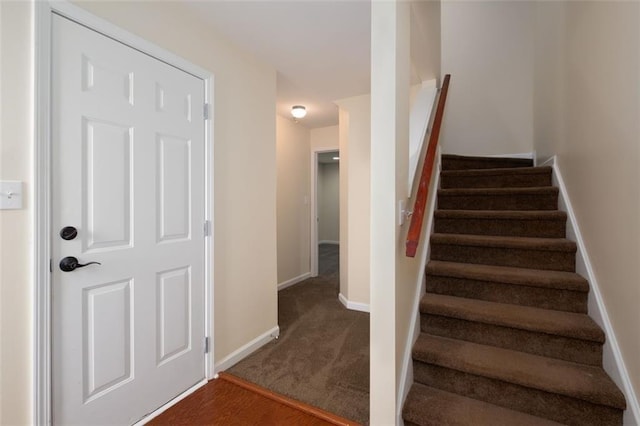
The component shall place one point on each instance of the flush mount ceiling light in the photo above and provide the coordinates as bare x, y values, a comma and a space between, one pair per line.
298, 111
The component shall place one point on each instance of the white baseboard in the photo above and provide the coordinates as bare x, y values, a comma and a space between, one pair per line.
170, 404
294, 280
246, 350
613, 363
548, 162
406, 375
526, 155
354, 306
329, 242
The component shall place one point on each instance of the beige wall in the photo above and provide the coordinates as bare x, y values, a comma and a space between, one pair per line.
293, 198
16, 234
589, 118
325, 138
355, 153
244, 173
487, 47
329, 202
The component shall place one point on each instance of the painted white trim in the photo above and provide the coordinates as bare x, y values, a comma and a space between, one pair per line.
406, 375
247, 349
42, 407
328, 242
313, 210
526, 155
170, 404
41, 199
613, 363
294, 280
549, 162
353, 306
209, 252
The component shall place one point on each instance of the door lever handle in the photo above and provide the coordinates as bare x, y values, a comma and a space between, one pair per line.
71, 263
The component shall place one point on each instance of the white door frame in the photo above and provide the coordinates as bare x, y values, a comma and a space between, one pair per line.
42, 172
313, 250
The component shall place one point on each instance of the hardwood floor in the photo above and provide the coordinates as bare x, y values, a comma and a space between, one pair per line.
231, 401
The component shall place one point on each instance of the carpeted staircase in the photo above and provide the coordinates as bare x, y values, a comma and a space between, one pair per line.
505, 336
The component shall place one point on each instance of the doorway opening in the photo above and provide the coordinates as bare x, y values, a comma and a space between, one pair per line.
325, 211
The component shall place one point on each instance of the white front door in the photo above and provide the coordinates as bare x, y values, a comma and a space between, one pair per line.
128, 174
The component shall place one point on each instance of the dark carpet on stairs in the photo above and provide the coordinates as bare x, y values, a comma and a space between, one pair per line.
322, 355
505, 336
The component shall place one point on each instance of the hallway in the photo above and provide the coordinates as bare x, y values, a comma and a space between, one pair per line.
322, 355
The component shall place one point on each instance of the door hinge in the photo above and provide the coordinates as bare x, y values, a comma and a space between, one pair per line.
51, 265
207, 228
206, 345
207, 111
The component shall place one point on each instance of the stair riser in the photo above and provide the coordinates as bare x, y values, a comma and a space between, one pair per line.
485, 163
500, 256
498, 202
498, 181
502, 227
539, 297
552, 406
537, 343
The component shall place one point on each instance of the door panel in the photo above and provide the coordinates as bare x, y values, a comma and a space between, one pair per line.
174, 313
107, 184
108, 356
174, 188
128, 173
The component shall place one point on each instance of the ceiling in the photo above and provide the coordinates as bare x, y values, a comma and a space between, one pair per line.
320, 48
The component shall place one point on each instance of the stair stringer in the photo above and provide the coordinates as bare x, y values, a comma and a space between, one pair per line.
612, 360
406, 375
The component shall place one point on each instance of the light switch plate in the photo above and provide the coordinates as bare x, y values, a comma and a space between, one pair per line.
402, 212
10, 195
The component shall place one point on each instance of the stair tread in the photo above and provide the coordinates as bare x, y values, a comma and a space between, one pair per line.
560, 323
427, 406
535, 190
498, 171
532, 243
506, 274
502, 214
570, 379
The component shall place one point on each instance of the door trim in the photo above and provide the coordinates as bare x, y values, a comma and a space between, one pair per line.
42, 172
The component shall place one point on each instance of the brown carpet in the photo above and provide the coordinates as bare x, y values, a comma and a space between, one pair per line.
322, 355
505, 338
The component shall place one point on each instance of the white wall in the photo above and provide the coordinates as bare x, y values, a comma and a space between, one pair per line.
425, 39
16, 234
244, 173
329, 202
586, 112
487, 47
355, 161
390, 70
293, 198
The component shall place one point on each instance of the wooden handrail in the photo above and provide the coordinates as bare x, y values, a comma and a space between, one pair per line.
415, 228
